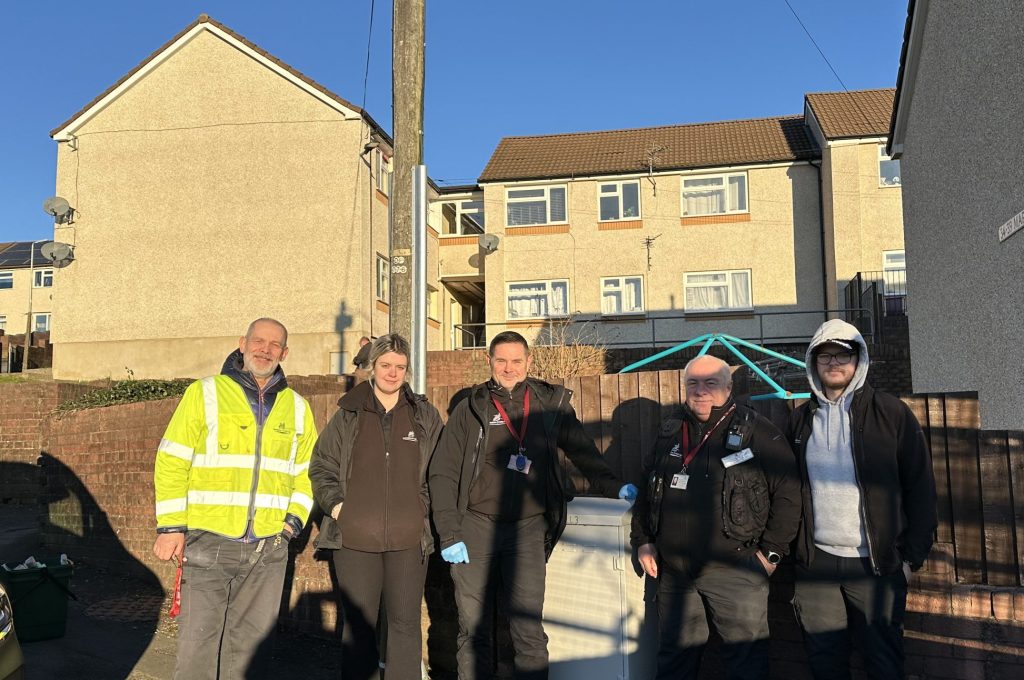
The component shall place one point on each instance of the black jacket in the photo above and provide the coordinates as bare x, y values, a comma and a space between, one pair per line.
894, 475
456, 462
725, 512
331, 463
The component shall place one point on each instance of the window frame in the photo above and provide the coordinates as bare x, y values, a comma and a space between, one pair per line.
39, 277
7, 276
546, 188
460, 212
724, 176
433, 301
548, 283
3, 322
618, 184
622, 290
382, 279
883, 158
382, 175
35, 321
728, 279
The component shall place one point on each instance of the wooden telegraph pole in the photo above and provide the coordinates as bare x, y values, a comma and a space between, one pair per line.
408, 48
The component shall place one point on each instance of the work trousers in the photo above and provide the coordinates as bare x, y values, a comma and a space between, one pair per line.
363, 577
511, 553
230, 599
839, 598
736, 598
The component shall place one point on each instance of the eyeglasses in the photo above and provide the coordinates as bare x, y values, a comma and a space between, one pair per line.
825, 358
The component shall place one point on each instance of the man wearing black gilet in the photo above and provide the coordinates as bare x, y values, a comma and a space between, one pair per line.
497, 490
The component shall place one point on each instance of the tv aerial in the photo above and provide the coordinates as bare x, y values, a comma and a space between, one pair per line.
59, 209
59, 254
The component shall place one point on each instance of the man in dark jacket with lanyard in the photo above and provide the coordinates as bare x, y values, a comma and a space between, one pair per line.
868, 513
718, 512
497, 487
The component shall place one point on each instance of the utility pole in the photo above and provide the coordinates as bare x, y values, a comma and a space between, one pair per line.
408, 49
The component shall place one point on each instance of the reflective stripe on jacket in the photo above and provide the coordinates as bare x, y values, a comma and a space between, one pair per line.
216, 468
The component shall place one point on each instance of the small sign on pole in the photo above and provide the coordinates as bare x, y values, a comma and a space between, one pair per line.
1011, 226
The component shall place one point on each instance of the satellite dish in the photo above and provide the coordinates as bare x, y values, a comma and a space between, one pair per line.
59, 208
489, 242
59, 254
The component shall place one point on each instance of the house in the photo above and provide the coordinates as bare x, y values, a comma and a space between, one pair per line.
26, 286
956, 129
657, 235
215, 184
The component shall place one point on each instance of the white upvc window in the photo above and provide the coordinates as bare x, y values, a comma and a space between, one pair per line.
888, 169
43, 278
535, 205
714, 194
622, 295
538, 299
3, 322
718, 290
42, 323
894, 272
618, 201
462, 217
6, 280
433, 303
382, 172
383, 279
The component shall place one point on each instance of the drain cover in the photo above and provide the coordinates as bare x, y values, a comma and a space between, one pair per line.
127, 608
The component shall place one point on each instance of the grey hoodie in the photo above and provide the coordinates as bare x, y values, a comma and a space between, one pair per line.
835, 496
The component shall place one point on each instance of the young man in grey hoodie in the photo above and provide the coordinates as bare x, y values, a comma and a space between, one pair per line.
868, 510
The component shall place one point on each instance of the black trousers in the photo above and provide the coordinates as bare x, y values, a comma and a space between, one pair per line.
839, 598
363, 578
511, 553
735, 596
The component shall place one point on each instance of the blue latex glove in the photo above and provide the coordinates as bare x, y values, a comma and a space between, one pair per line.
456, 553
628, 492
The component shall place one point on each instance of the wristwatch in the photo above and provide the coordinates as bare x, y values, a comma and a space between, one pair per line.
772, 556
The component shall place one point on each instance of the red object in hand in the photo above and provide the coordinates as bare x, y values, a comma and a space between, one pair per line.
176, 598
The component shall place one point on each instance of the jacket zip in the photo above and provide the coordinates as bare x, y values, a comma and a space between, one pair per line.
260, 420
857, 455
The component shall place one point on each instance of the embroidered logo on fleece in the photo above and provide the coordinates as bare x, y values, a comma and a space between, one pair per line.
496, 420
675, 451
411, 437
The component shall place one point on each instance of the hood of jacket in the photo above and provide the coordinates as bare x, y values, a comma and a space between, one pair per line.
837, 329
234, 367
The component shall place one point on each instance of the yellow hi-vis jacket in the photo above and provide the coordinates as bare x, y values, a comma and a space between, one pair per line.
215, 468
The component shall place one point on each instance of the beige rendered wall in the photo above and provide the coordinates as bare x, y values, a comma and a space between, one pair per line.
779, 244
14, 301
862, 219
210, 193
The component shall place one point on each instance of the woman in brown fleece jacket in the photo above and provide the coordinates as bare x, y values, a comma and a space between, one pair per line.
369, 475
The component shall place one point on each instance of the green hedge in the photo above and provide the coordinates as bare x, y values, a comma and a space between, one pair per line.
126, 392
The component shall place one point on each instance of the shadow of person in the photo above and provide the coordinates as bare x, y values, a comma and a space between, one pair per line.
119, 599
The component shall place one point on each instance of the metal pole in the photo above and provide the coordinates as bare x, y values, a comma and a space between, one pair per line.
419, 279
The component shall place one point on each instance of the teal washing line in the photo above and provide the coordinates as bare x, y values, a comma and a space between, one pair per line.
730, 342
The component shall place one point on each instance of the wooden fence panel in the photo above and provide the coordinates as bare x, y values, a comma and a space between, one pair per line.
1015, 444
965, 487
997, 509
628, 421
936, 433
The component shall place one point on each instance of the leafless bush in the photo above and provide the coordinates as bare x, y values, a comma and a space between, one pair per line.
568, 348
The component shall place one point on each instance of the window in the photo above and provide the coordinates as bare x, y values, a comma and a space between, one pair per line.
721, 290
888, 170
714, 194
381, 172
894, 272
42, 323
463, 217
6, 280
3, 322
618, 201
538, 299
43, 278
383, 279
542, 205
433, 304
622, 295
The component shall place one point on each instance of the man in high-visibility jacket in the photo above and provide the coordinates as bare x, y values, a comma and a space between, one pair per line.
231, 490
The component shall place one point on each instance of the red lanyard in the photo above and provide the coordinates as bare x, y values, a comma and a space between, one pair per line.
520, 436
684, 439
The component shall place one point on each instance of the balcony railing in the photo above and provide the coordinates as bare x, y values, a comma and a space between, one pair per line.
882, 292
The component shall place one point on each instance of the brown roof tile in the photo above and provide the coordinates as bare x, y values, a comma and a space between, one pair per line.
206, 19
701, 145
860, 113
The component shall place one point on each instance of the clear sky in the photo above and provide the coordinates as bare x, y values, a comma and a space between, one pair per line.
494, 68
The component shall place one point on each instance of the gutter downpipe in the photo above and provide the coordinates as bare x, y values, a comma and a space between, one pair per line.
821, 221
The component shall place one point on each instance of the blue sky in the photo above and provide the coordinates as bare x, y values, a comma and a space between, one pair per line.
494, 69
